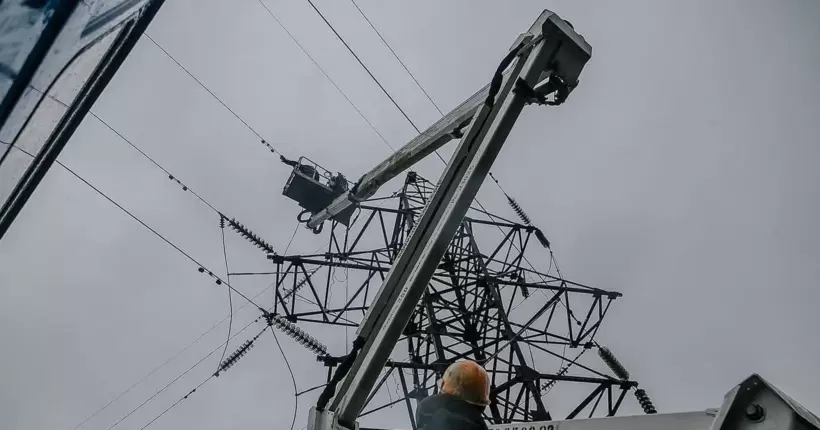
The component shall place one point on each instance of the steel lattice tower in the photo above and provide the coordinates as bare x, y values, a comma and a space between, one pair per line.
485, 303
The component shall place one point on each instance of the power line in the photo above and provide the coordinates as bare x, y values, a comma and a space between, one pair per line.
315, 63
184, 188
137, 148
418, 84
374, 77
170, 176
397, 57
141, 380
202, 269
292, 377
234, 358
177, 354
177, 402
205, 87
364, 66
177, 378
230, 317
295, 230
228, 276
243, 231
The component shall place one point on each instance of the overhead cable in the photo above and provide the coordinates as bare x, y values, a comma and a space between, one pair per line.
397, 57
177, 402
363, 65
315, 63
205, 87
201, 269
137, 148
177, 378
292, 378
164, 363
228, 276
239, 227
233, 357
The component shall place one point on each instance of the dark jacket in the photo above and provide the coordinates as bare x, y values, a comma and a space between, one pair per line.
445, 412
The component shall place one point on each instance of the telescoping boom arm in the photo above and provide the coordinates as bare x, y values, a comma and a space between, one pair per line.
450, 126
551, 49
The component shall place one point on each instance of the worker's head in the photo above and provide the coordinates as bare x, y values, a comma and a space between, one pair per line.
468, 381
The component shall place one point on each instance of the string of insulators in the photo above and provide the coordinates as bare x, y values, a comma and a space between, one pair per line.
526, 220
250, 236
236, 355
298, 335
563, 371
513, 204
221, 221
609, 358
290, 291
233, 358
542, 238
645, 401
518, 210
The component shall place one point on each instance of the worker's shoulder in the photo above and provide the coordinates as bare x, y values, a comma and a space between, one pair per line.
429, 406
444, 419
435, 400
446, 412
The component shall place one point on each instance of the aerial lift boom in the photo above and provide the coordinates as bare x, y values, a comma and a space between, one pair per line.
551, 52
546, 60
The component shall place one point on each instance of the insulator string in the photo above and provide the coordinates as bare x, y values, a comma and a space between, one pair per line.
250, 236
617, 368
299, 335
290, 291
645, 401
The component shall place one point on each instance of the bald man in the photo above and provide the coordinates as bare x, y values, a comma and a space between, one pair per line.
465, 392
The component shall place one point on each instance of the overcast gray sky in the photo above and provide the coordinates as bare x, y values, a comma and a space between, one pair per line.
681, 173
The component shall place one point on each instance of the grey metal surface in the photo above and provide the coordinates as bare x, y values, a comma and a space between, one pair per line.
757, 404
456, 190
679, 421
754, 404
